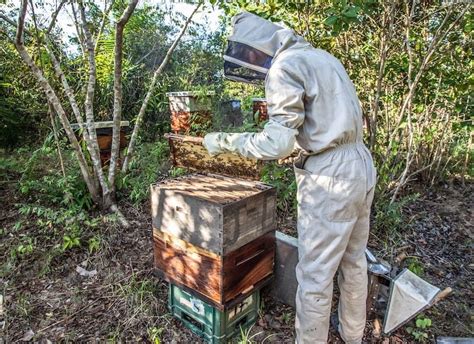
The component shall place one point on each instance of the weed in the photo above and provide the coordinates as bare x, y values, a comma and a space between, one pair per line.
94, 243
415, 266
176, 172
138, 291
286, 317
70, 241
419, 332
43, 182
388, 216
261, 309
25, 248
23, 305
247, 338
145, 169
17, 226
154, 334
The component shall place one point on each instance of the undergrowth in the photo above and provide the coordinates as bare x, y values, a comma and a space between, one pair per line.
149, 165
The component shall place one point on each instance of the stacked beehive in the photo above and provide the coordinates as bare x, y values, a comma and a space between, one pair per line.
213, 235
214, 241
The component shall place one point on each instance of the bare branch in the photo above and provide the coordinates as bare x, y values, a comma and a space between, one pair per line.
438, 37
151, 88
56, 139
54, 17
8, 20
115, 149
21, 22
4, 33
102, 25
80, 35
383, 50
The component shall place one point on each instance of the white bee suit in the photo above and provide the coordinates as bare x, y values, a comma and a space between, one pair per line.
311, 101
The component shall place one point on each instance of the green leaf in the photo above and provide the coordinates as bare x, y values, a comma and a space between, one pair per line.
352, 12
330, 21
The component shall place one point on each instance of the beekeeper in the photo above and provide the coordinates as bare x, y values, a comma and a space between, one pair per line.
313, 103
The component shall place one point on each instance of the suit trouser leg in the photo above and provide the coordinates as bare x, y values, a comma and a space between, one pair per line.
352, 275
332, 231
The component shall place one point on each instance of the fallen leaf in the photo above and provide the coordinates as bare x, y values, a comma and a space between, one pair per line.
84, 273
28, 336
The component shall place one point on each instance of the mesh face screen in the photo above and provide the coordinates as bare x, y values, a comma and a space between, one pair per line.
235, 72
247, 54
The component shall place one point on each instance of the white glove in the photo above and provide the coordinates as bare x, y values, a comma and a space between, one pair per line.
213, 143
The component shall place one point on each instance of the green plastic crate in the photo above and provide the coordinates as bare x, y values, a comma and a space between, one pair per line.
208, 322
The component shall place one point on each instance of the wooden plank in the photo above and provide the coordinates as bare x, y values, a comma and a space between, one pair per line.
185, 122
183, 245
103, 124
214, 188
197, 221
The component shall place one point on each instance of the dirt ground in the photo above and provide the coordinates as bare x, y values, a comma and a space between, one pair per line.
44, 299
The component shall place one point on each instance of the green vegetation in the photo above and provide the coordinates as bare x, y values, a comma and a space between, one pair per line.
420, 331
411, 63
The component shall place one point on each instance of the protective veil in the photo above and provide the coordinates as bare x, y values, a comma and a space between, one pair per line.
311, 101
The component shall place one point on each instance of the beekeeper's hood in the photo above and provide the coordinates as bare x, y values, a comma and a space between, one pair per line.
254, 43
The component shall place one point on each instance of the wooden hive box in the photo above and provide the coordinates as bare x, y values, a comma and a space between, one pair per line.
220, 280
190, 111
214, 234
213, 212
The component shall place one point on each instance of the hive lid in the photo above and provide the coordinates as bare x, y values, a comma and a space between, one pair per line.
103, 124
213, 188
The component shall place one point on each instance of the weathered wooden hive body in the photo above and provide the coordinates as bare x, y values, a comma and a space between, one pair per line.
190, 112
214, 234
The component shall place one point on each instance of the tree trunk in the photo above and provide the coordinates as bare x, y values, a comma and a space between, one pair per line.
115, 150
89, 109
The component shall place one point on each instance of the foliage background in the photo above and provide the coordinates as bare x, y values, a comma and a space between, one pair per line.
384, 46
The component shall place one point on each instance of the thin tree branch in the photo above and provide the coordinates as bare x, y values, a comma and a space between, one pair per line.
438, 37
151, 88
8, 20
56, 138
115, 150
50, 107
385, 36
79, 32
55, 16
102, 25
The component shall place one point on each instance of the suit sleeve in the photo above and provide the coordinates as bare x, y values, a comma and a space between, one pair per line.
285, 100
